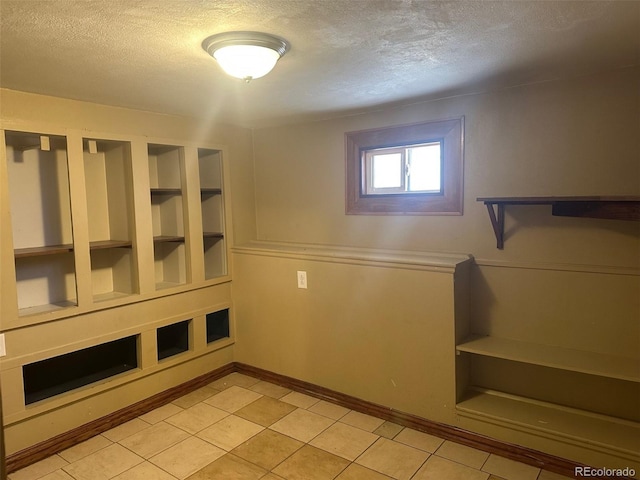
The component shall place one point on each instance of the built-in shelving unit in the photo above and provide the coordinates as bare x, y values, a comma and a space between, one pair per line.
607, 207
109, 187
105, 283
167, 211
38, 171
212, 205
582, 397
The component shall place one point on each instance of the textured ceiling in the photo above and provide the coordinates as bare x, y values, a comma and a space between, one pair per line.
346, 56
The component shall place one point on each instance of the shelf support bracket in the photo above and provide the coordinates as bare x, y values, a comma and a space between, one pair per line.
497, 222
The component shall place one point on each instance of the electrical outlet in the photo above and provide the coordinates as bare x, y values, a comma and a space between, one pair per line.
3, 348
302, 279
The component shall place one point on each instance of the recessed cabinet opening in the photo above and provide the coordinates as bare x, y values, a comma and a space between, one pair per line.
173, 339
217, 325
212, 204
109, 186
38, 172
53, 376
167, 214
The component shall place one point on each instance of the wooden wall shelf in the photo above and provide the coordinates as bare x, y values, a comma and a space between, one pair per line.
168, 238
212, 235
607, 207
45, 250
102, 244
166, 191
66, 248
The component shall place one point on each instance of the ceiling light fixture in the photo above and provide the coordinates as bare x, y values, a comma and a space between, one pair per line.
246, 55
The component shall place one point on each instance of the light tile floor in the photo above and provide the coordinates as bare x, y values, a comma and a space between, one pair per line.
242, 428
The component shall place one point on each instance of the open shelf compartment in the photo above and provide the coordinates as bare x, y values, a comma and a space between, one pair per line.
212, 205
109, 187
217, 325
56, 375
573, 425
173, 339
592, 363
167, 214
38, 170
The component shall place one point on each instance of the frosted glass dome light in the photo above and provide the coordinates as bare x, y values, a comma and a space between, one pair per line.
246, 55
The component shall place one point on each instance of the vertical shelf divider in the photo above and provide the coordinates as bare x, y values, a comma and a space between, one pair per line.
192, 215
79, 213
8, 292
143, 234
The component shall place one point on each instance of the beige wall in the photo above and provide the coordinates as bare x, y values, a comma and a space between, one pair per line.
363, 327
569, 282
576, 137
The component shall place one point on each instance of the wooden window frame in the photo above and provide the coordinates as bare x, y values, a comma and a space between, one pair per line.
449, 202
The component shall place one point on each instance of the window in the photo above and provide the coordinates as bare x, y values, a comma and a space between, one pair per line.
415, 168
408, 169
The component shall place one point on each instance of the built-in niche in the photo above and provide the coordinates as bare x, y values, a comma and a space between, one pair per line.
217, 325
173, 339
56, 375
212, 205
167, 215
39, 196
109, 188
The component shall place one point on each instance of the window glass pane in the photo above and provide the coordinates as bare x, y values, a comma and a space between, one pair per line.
387, 170
424, 168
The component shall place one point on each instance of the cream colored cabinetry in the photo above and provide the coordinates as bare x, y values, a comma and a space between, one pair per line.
55, 222
114, 272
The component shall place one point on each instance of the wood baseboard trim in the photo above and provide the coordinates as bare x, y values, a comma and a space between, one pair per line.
61, 442
68, 439
513, 452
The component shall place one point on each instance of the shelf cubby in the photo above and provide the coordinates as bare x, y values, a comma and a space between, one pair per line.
109, 187
212, 205
173, 339
38, 170
217, 325
45, 283
57, 375
592, 363
573, 425
167, 214
559, 386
